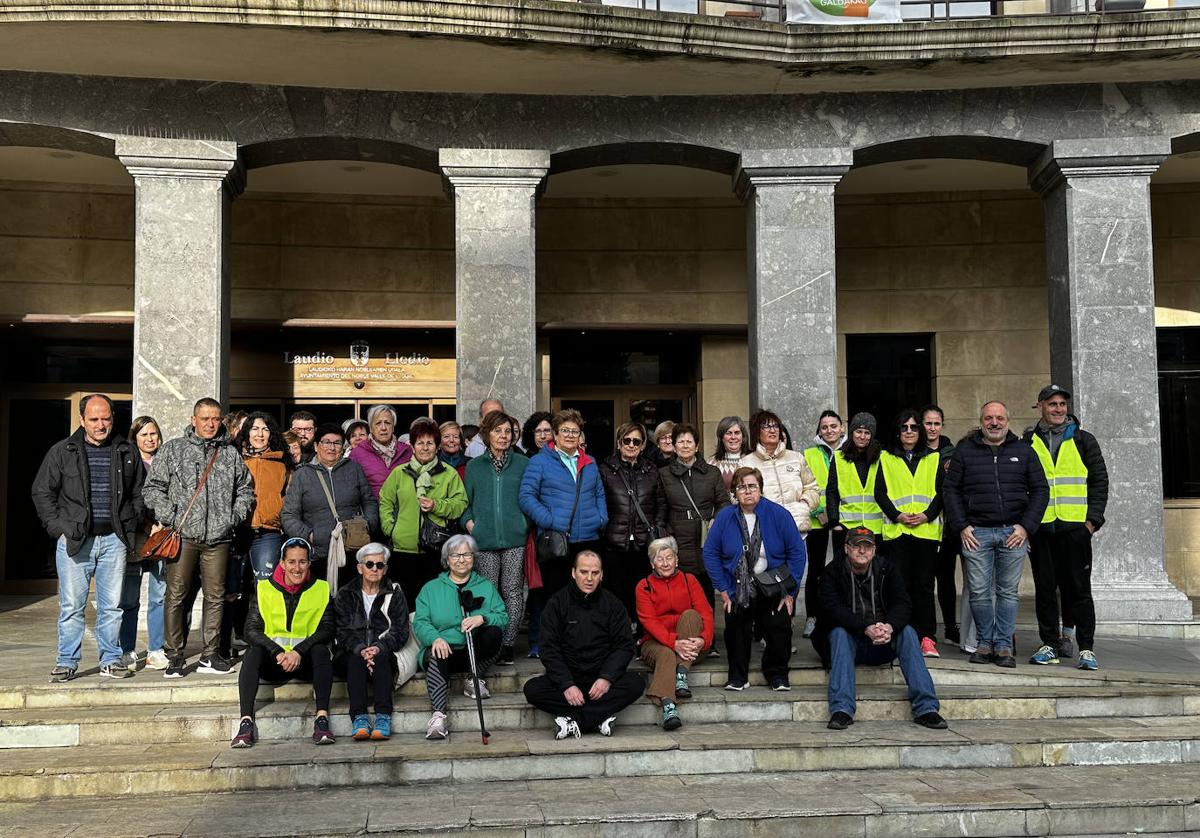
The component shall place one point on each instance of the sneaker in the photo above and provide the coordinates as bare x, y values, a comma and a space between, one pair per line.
810, 625
682, 688
713, 651
1044, 656
953, 635
383, 727
157, 660
115, 670
606, 726
1087, 660
177, 668
933, 721
322, 735
1066, 647
437, 727
967, 650
1006, 659
780, 685
670, 717
929, 648
245, 736
535, 651
982, 655
131, 660
840, 721
61, 674
565, 726
506, 656
361, 727
734, 686
215, 665
469, 689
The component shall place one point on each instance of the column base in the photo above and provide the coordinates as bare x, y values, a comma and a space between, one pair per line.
1140, 602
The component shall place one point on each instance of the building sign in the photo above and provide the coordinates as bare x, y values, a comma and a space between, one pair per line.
843, 12
361, 364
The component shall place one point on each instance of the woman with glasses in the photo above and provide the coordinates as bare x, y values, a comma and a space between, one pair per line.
382, 453
819, 455
422, 492
664, 444
733, 443
561, 491
635, 515
457, 601
535, 433
908, 489
787, 479
372, 626
494, 519
289, 629
677, 625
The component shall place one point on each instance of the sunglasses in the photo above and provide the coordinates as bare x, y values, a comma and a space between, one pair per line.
375, 565
909, 427
632, 440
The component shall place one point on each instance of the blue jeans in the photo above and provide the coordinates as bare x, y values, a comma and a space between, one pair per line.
994, 570
131, 601
102, 558
846, 651
264, 553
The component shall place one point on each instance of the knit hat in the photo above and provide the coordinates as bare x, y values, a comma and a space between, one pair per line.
862, 420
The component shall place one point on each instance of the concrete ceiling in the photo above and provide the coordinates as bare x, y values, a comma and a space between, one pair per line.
344, 177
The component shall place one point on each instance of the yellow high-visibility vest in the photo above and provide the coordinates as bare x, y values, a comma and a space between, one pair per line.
912, 493
814, 455
1068, 481
857, 506
309, 611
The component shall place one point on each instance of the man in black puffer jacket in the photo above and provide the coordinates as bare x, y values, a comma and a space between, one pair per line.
587, 645
996, 493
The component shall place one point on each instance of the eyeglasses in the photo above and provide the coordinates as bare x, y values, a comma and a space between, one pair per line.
570, 431
459, 557
753, 487
330, 443
769, 426
375, 565
632, 440
909, 427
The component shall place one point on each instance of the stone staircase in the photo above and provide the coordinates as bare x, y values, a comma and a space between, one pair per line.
1031, 751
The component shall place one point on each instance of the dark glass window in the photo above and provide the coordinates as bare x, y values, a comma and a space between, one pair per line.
1179, 407
887, 373
619, 358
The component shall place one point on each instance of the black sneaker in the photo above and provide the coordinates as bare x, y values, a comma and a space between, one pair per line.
214, 665
736, 686
506, 656
245, 735
177, 668
780, 685
933, 721
322, 735
1006, 659
61, 674
115, 670
982, 656
953, 635
840, 721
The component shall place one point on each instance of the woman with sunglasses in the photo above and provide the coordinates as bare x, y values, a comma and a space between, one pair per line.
636, 514
372, 625
908, 490
289, 629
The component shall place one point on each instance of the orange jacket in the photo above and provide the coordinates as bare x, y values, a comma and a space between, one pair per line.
270, 482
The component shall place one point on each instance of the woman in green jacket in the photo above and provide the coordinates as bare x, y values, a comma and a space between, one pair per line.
495, 520
440, 625
424, 487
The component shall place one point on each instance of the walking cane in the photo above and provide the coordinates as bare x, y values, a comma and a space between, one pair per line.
469, 603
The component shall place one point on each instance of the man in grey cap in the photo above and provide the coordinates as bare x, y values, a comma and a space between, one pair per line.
1061, 549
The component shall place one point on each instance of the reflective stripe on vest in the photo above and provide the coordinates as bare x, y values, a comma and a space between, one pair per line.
857, 505
1067, 479
911, 493
305, 620
815, 457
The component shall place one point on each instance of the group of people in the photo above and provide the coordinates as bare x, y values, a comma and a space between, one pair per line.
632, 554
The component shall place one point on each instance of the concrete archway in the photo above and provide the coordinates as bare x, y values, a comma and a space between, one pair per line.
952, 147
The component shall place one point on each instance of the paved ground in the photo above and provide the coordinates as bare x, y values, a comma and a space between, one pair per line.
27, 644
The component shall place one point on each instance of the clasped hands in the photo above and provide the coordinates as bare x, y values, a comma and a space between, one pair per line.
574, 695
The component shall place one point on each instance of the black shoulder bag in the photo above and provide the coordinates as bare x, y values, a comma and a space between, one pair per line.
552, 544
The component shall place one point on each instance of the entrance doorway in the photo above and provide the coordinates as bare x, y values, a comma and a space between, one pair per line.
603, 412
887, 373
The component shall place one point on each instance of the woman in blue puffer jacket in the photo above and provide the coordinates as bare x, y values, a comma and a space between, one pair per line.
548, 491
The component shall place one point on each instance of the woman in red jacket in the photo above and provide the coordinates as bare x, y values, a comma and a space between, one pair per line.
677, 627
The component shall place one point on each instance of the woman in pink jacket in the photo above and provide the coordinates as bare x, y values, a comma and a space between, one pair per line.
379, 454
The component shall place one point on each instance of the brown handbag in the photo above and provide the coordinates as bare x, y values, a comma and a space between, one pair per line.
165, 543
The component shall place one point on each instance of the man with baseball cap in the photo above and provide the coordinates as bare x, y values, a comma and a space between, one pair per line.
1061, 549
864, 618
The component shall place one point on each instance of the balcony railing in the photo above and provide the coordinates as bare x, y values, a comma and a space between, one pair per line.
774, 11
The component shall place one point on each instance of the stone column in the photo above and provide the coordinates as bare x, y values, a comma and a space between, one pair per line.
791, 281
183, 190
495, 196
1100, 265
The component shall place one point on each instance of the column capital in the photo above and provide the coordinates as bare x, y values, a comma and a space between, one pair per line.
790, 167
494, 166
159, 157
1065, 160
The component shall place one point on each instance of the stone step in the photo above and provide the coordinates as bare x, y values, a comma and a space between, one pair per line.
634, 752
290, 715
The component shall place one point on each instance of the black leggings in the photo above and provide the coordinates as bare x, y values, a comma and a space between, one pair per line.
487, 640
259, 664
359, 682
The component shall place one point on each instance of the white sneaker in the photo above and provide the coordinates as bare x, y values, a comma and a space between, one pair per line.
606, 726
437, 728
469, 690
564, 727
810, 625
157, 660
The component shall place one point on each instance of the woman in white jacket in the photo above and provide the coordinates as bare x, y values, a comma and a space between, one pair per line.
787, 479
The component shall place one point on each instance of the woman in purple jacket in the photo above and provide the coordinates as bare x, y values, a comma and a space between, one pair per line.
379, 454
